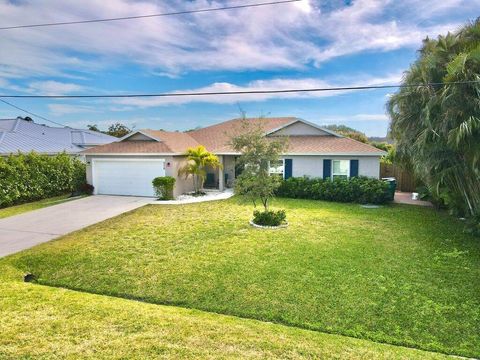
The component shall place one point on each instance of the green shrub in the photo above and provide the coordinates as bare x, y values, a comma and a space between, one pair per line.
163, 186
472, 225
361, 190
29, 177
269, 217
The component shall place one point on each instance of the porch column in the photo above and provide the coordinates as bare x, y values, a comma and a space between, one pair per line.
221, 176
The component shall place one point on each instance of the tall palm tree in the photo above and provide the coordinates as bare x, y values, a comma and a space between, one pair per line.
437, 127
198, 159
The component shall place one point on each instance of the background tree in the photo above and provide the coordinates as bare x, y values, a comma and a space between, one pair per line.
118, 130
348, 132
437, 127
93, 127
389, 148
258, 151
198, 159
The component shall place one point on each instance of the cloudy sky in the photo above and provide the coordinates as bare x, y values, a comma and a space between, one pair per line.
311, 43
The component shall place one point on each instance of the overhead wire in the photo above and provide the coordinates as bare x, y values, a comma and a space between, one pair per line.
238, 92
134, 17
31, 113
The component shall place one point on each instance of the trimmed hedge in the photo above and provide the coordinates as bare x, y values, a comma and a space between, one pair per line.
163, 187
361, 190
29, 177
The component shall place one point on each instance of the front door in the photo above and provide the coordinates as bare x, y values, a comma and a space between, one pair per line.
238, 167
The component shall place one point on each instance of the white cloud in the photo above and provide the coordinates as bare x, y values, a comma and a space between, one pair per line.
353, 118
270, 37
66, 109
259, 85
51, 87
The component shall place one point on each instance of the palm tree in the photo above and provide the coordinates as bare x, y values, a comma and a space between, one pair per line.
198, 159
437, 127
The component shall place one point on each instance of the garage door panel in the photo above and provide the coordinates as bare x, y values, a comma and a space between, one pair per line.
122, 177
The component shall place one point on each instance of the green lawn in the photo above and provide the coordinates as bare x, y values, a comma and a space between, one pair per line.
401, 274
38, 322
19, 209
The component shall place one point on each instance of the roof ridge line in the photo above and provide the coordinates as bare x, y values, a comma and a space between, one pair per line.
17, 123
245, 118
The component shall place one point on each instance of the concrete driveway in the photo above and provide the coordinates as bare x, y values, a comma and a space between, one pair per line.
23, 231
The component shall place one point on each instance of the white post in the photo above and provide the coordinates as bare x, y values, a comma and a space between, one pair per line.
221, 177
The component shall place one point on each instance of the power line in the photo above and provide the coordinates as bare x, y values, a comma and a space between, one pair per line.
149, 15
31, 113
241, 92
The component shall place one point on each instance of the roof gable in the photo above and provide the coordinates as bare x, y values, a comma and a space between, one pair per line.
139, 135
300, 127
146, 140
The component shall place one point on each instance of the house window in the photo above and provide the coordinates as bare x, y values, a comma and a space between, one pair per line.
276, 168
340, 169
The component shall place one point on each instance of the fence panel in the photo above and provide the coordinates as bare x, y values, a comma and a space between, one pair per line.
405, 180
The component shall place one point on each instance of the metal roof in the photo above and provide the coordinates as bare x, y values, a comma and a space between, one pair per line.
25, 136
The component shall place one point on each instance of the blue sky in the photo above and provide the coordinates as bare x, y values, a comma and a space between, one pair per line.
311, 43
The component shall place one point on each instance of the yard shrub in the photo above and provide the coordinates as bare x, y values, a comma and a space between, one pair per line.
163, 186
361, 190
269, 217
29, 177
472, 225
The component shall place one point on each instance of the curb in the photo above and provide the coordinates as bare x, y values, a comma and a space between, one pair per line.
268, 227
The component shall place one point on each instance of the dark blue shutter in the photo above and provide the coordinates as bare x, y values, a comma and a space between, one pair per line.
327, 168
288, 169
353, 168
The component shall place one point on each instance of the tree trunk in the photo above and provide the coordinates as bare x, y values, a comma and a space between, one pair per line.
195, 183
265, 204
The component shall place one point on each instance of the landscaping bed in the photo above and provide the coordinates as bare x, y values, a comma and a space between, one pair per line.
398, 274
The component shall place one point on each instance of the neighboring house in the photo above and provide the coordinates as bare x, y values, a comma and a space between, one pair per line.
128, 166
24, 135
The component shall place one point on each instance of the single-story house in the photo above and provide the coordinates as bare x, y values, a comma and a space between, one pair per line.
127, 167
24, 135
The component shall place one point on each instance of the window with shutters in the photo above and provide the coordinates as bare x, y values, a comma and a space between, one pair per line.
340, 169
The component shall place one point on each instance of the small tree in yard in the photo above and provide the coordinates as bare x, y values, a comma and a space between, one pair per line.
255, 182
197, 160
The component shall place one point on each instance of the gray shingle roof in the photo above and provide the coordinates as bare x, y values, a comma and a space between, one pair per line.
25, 136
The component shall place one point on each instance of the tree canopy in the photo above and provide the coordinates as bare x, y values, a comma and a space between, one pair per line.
198, 159
258, 153
437, 127
117, 129
348, 132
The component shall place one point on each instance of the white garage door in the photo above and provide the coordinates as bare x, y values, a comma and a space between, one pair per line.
126, 177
